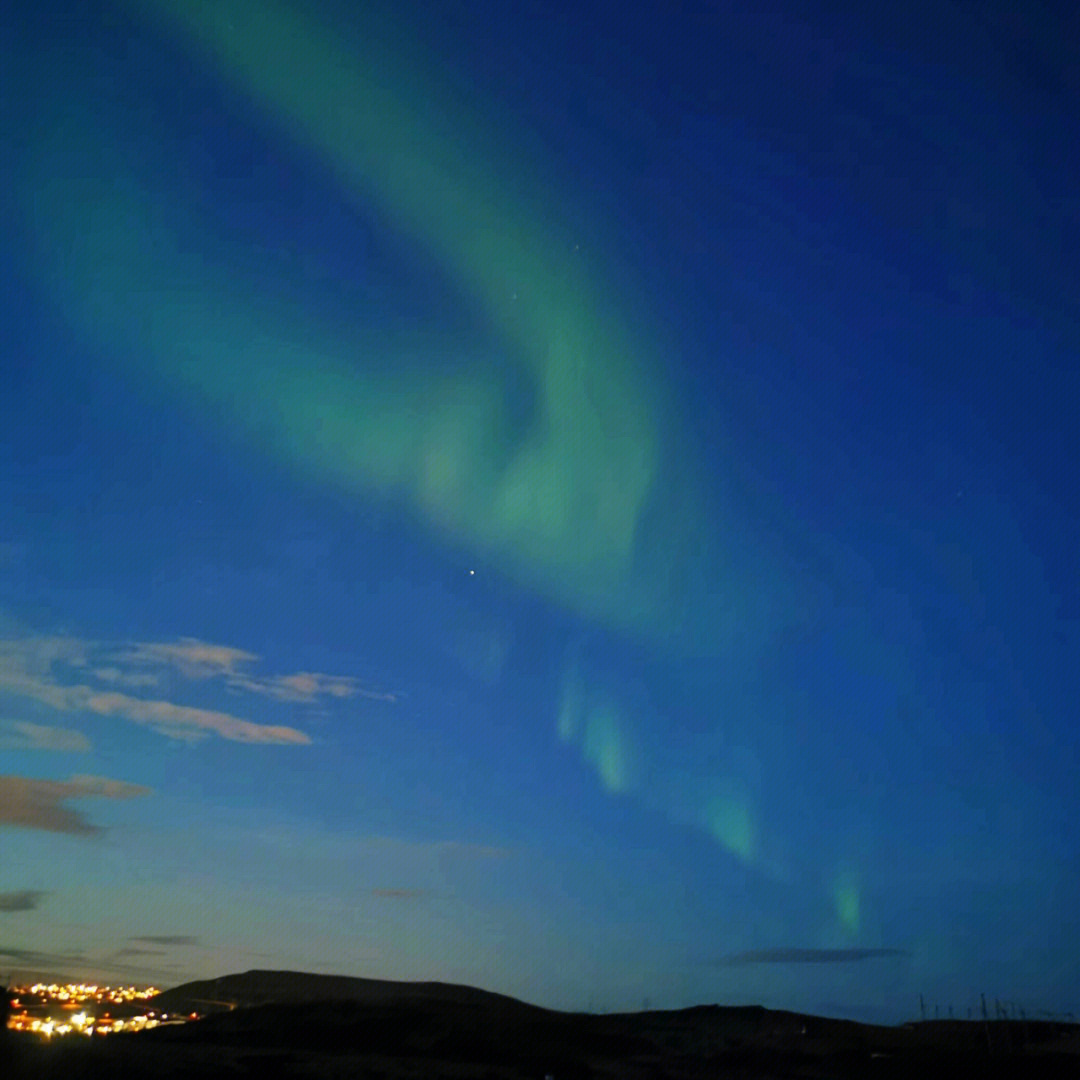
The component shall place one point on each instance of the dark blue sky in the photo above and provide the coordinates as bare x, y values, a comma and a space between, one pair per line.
574, 499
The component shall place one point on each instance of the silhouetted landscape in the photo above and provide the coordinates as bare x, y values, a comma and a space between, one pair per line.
295, 1024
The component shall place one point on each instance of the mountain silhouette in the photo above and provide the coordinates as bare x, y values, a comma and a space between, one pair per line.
252, 988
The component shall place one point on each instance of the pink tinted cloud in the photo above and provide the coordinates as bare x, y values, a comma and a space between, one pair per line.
125, 678
196, 659
203, 660
183, 721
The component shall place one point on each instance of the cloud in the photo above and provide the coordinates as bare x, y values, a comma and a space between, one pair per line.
38, 655
25, 900
125, 678
28, 667
166, 939
53, 671
806, 956
202, 660
304, 686
196, 659
400, 894
31, 957
77, 964
134, 950
20, 735
185, 722
38, 804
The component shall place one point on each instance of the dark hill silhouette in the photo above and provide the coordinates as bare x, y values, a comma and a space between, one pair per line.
297, 987
295, 1024
443, 1023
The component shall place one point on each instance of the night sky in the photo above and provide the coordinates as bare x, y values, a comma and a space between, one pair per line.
571, 497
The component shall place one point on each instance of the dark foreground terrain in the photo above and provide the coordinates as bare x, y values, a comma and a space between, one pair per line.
294, 1025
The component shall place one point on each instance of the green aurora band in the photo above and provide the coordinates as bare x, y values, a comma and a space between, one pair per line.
571, 503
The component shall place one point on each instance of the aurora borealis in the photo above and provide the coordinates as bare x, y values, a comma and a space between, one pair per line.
545, 498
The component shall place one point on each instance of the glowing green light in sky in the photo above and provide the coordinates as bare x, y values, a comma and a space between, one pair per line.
563, 505
606, 745
595, 721
572, 705
846, 899
729, 820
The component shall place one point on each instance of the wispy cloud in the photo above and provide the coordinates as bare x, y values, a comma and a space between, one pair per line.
40, 654
203, 660
806, 956
77, 964
21, 735
41, 669
306, 686
166, 939
39, 804
125, 678
30, 957
25, 900
195, 659
185, 722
